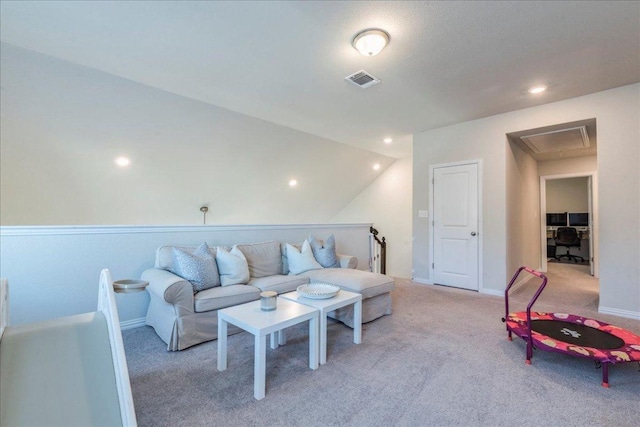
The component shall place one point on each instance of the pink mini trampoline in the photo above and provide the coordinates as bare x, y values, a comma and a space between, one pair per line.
570, 334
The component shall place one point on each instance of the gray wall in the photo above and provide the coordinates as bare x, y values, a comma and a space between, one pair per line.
523, 210
53, 271
616, 112
463, 142
387, 204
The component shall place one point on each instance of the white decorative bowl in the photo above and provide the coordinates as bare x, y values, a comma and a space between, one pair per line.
318, 291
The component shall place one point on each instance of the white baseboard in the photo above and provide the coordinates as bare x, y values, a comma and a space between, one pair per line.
482, 291
500, 293
494, 292
617, 312
422, 281
133, 323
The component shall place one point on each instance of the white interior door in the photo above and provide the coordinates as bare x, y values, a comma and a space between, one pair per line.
455, 226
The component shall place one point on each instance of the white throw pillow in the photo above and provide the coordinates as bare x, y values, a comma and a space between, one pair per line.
232, 266
301, 260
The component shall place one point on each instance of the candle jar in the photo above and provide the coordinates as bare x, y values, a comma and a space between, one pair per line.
268, 300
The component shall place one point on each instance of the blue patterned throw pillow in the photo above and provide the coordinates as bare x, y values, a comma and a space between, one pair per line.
199, 268
325, 254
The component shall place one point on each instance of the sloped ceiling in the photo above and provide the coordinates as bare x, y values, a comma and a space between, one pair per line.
285, 62
64, 124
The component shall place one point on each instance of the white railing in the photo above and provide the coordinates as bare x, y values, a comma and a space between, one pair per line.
107, 305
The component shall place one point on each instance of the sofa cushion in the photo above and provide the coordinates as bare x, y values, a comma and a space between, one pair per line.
199, 268
232, 266
224, 296
164, 255
301, 260
325, 252
281, 284
264, 258
362, 282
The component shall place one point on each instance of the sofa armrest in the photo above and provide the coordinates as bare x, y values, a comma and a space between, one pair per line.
169, 287
347, 261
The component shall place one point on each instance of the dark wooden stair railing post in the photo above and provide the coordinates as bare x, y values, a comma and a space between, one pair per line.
383, 249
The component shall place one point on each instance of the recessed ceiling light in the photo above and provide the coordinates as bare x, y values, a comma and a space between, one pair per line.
376, 166
293, 183
388, 140
370, 42
122, 161
537, 89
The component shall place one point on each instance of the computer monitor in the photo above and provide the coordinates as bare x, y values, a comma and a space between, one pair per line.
557, 219
578, 219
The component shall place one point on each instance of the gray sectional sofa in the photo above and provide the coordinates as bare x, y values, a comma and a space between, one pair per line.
183, 319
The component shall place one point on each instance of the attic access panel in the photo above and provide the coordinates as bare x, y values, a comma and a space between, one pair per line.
558, 140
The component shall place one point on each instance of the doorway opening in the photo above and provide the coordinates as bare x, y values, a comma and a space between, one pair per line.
567, 220
552, 185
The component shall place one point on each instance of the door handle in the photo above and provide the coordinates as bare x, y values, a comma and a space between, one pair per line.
473, 233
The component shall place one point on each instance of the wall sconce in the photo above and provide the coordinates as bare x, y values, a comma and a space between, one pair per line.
204, 210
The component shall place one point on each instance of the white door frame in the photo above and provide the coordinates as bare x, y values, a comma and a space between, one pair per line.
432, 168
593, 218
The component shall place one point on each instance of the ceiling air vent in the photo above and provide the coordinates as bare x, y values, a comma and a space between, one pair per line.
362, 79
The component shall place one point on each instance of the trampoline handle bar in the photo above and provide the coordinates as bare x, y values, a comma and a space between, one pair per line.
534, 272
533, 300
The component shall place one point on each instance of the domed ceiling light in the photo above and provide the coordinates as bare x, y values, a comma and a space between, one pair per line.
370, 42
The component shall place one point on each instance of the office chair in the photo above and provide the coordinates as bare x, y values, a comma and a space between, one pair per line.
569, 238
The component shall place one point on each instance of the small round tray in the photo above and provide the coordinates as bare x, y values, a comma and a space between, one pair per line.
127, 286
318, 291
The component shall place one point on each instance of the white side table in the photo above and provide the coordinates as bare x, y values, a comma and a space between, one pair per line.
325, 306
261, 323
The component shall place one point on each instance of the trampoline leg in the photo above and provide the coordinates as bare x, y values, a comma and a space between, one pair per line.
605, 375
509, 338
529, 353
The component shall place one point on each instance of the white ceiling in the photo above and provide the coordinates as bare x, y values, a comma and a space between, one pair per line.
285, 62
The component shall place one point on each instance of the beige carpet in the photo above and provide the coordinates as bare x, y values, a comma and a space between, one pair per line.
441, 359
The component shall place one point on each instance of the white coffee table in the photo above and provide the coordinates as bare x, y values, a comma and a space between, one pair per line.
260, 323
325, 306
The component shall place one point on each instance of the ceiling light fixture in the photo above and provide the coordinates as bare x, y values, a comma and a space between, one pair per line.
376, 166
293, 183
122, 161
388, 140
370, 42
537, 89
